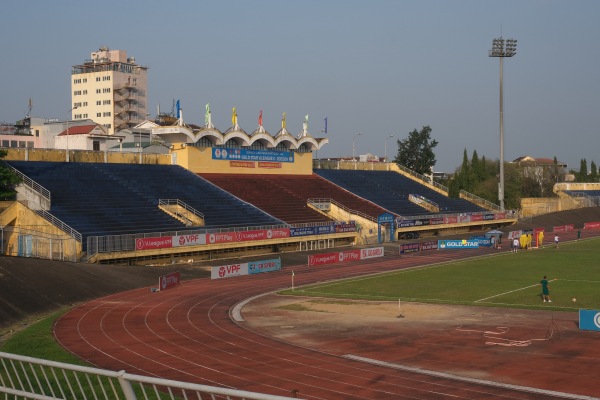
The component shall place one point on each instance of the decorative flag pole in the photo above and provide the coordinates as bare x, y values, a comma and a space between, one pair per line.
292, 280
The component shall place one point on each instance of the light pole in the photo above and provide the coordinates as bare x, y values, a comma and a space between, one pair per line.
353, 150
69, 116
385, 147
140, 138
502, 48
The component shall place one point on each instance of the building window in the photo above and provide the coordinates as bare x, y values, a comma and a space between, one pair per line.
106, 114
98, 91
85, 92
98, 102
84, 80
96, 145
106, 90
37, 133
77, 93
97, 79
106, 102
85, 103
107, 126
76, 104
98, 114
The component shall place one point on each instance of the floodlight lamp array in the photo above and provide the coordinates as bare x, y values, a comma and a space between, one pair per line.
503, 48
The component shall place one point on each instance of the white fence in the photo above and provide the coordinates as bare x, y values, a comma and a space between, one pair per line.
33, 378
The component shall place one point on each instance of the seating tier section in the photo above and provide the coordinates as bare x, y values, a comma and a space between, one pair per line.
578, 193
109, 199
285, 196
391, 190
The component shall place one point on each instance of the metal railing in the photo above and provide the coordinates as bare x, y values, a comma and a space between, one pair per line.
59, 224
34, 378
458, 214
423, 178
30, 183
315, 203
476, 199
588, 201
185, 206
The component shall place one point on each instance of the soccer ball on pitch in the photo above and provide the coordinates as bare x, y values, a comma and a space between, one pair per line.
574, 300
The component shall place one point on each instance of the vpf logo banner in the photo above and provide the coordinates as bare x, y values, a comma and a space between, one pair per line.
589, 320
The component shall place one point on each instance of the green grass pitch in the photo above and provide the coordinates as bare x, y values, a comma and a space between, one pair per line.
502, 280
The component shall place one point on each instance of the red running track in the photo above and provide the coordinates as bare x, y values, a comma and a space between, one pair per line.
186, 334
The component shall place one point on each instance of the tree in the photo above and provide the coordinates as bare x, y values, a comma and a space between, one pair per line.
416, 151
8, 180
477, 167
593, 172
583, 171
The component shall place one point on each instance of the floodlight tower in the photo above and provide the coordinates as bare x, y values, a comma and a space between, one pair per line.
502, 48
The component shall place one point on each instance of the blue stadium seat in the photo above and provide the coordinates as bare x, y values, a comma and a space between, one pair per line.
109, 199
391, 190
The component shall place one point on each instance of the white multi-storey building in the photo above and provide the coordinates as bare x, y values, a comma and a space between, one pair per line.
110, 89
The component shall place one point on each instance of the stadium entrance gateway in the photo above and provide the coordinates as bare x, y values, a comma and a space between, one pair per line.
386, 219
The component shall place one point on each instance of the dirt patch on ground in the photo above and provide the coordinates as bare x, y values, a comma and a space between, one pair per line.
534, 348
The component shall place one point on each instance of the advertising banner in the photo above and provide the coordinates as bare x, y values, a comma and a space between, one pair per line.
163, 242
563, 228
241, 164
343, 227
405, 223
227, 271
589, 320
450, 220
244, 236
257, 267
482, 240
464, 218
489, 217
433, 245
371, 253
436, 221
189, 240
322, 229
252, 155
333, 258
457, 244
168, 281
409, 248
221, 237
591, 225
322, 259
476, 217
269, 165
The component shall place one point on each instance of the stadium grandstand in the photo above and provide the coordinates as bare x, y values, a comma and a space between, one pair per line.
218, 194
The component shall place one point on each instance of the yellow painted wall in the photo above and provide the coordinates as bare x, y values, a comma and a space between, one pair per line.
27, 222
199, 160
52, 155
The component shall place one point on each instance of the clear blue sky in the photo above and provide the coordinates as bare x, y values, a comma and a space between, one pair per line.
376, 67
